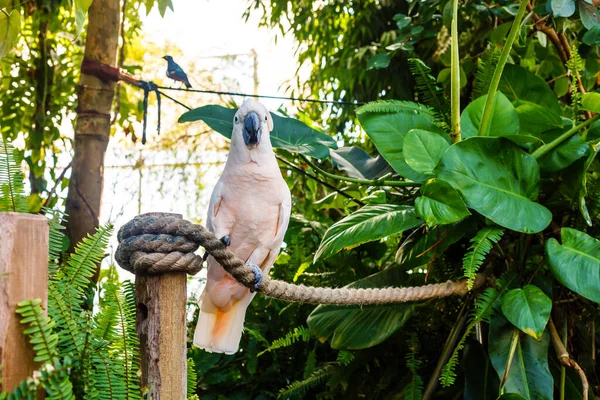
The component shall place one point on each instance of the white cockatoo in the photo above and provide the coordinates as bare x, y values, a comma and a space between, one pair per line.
250, 210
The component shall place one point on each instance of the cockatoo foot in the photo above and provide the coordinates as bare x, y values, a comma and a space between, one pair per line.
226, 240
258, 276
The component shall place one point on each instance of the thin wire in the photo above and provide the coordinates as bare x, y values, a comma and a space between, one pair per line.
172, 99
341, 103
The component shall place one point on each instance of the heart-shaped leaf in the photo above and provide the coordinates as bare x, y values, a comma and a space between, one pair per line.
505, 120
423, 150
562, 8
362, 326
592, 37
535, 119
589, 15
440, 204
358, 164
378, 61
387, 123
517, 83
288, 133
564, 155
591, 102
372, 222
576, 263
497, 179
528, 309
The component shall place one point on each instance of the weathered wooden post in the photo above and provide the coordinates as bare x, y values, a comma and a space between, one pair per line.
23, 275
160, 259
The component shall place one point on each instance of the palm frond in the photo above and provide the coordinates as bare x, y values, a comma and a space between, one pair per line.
481, 245
12, 188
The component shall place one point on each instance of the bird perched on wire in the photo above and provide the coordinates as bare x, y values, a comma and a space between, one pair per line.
249, 210
175, 72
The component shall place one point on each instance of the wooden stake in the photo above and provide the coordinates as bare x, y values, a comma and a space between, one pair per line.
23, 275
160, 323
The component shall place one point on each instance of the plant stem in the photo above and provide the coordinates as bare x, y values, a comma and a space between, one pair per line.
563, 369
371, 182
545, 149
455, 79
486, 117
511, 354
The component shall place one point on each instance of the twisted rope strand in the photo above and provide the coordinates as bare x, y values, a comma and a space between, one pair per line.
159, 242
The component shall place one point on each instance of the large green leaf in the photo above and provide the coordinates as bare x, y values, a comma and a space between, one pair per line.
387, 123
440, 204
592, 36
358, 164
362, 326
528, 309
576, 263
81, 9
288, 133
497, 179
378, 61
505, 120
565, 154
529, 374
591, 102
589, 15
423, 150
519, 84
372, 222
10, 26
481, 381
562, 8
535, 119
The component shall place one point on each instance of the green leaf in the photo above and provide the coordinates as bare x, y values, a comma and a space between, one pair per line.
576, 263
362, 326
497, 179
481, 381
519, 84
592, 37
358, 164
372, 222
505, 120
562, 8
440, 204
163, 5
528, 309
423, 150
288, 133
565, 154
589, 16
378, 61
10, 26
81, 8
388, 122
535, 119
591, 102
529, 374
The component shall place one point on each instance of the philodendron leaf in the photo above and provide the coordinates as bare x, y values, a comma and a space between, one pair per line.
423, 150
529, 373
576, 263
357, 163
362, 326
591, 102
288, 133
440, 204
388, 122
517, 83
505, 120
535, 119
497, 179
528, 309
372, 222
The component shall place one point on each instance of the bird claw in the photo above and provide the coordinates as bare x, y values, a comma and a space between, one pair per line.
226, 240
258, 276
205, 256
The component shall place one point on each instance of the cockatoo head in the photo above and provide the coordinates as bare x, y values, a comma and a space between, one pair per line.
252, 123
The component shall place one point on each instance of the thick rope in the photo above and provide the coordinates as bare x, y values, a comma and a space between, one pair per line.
158, 243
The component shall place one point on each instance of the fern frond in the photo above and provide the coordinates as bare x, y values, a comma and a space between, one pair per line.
301, 387
192, 378
88, 253
40, 333
12, 188
57, 238
485, 72
575, 65
345, 357
428, 91
56, 380
481, 245
67, 320
300, 333
394, 106
414, 390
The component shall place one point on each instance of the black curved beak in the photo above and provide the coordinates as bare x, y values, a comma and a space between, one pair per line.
251, 129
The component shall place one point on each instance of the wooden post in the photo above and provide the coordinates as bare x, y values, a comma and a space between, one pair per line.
23, 275
160, 322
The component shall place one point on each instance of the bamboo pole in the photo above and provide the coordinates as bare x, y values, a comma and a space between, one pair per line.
23, 275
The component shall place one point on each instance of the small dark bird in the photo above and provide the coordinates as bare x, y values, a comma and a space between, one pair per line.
176, 73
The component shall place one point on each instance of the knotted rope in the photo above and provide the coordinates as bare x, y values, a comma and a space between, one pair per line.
158, 243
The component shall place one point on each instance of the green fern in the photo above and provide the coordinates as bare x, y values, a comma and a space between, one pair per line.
192, 378
485, 72
344, 358
88, 253
575, 65
481, 245
414, 390
12, 188
482, 311
300, 333
298, 388
39, 330
57, 238
395, 106
429, 92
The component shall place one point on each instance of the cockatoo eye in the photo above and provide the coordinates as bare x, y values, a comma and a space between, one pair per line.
265, 117
235, 119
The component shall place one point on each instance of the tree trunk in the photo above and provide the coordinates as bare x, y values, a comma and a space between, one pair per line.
92, 130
